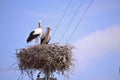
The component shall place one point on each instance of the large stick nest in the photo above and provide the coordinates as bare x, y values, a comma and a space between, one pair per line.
50, 57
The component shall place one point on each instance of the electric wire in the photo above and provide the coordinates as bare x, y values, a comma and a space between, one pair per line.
79, 21
62, 18
71, 21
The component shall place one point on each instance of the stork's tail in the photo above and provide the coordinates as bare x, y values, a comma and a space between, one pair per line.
28, 40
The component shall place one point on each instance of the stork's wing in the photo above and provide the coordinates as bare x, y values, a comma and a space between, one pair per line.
42, 38
32, 36
48, 40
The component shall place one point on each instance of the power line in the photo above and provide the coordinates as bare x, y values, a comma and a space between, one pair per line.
79, 21
61, 18
71, 20
6, 70
119, 71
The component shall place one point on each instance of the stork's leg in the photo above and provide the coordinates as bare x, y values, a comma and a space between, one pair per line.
39, 40
36, 41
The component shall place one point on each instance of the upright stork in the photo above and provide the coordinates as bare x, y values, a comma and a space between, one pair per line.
35, 34
45, 38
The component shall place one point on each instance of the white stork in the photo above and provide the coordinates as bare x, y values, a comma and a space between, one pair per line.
35, 34
45, 38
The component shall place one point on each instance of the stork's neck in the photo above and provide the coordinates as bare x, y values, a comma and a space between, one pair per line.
39, 25
48, 32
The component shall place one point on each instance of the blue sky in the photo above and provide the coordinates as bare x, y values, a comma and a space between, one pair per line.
96, 39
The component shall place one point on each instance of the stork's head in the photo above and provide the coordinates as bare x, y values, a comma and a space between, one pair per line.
39, 24
48, 28
40, 21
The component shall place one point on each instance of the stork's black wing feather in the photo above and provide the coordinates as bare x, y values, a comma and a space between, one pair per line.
42, 40
31, 36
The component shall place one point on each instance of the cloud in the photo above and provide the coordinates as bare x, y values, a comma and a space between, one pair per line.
95, 45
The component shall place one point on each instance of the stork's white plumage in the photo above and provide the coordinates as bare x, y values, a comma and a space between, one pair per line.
45, 38
35, 33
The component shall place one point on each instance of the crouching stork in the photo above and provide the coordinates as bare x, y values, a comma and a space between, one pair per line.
45, 38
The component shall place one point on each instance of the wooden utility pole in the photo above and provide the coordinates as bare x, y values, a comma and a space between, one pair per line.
47, 75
